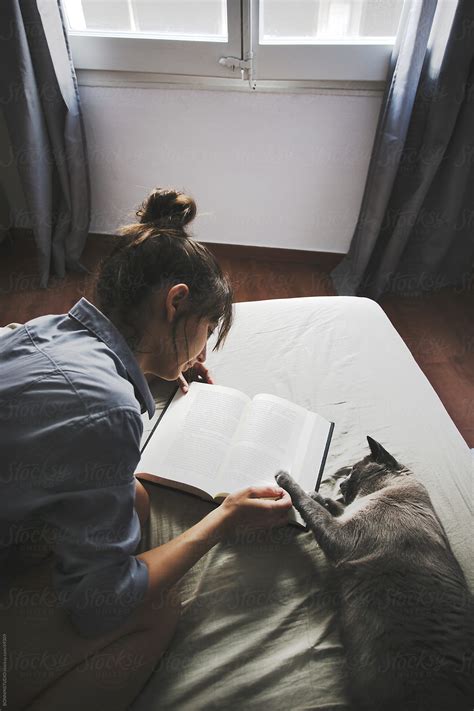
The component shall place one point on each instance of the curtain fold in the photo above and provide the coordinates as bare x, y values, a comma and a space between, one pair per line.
40, 99
415, 230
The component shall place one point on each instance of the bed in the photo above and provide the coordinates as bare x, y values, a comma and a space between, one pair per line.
258, 628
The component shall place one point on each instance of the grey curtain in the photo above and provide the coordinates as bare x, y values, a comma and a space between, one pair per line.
415, 231
40, 100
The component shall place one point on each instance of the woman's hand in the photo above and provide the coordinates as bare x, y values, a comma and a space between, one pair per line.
198, 372
257, 507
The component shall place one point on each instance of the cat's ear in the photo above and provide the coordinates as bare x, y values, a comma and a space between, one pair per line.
380, 455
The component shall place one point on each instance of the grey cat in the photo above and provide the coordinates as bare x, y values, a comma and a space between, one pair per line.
405, 610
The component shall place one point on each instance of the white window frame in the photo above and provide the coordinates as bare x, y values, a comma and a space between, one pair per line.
363, 61
143, 53
267, 64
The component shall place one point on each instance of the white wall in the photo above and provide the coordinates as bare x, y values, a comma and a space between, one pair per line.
266, 169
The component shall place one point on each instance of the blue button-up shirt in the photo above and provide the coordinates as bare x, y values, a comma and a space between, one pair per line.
71, 397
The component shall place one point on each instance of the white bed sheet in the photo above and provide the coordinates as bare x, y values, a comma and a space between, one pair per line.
258, 628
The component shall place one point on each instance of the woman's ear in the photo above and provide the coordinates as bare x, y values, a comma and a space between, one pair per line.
175, 297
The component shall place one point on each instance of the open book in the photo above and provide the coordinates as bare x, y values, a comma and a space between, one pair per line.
215, 440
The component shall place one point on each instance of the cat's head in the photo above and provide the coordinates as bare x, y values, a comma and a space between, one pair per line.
375, 471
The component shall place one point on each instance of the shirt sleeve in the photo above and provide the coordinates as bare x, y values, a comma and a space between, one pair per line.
94, 526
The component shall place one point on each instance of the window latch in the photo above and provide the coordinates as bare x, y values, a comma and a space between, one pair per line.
235, 63
245, 65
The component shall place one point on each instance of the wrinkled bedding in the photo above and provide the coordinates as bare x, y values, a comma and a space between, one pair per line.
258, 627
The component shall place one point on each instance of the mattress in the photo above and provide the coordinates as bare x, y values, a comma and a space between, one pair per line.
259, 625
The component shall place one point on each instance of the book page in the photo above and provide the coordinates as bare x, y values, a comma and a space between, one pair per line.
275, 434
265, 441
190, 442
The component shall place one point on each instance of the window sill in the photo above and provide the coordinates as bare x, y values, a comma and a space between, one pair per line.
149, 80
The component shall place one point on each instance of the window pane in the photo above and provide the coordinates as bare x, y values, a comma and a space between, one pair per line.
105, 15
313, 21
169, 19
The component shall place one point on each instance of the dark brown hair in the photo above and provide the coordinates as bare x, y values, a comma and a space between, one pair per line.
154, 254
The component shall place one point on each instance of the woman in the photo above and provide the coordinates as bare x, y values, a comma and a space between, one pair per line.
77, 599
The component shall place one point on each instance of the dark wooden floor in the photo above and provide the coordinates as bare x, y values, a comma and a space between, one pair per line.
438, 328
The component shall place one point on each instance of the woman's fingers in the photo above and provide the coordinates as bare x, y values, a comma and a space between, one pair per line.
269, 497
284, 502
203, 372
264, 490
198, 372
264, 506
182, 382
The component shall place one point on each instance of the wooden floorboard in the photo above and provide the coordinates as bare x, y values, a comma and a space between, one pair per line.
438, 328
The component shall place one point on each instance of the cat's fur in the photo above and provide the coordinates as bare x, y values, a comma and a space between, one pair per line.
405, 610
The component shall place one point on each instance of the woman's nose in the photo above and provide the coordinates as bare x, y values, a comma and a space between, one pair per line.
202, 356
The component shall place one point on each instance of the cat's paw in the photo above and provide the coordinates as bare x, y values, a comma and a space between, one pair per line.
318, 498
284, 479
334, 507
287, 482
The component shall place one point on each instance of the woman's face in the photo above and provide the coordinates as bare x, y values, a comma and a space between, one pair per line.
197, 334
190, 338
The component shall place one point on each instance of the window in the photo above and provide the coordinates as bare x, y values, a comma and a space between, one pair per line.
283, 40
189, 20
185, 37
313, 21
327, 39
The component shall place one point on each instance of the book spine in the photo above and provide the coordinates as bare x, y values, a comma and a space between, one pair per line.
323, 461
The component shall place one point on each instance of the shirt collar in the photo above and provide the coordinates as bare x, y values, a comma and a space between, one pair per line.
93, 319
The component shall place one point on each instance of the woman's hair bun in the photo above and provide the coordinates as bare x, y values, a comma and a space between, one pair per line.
167, 208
